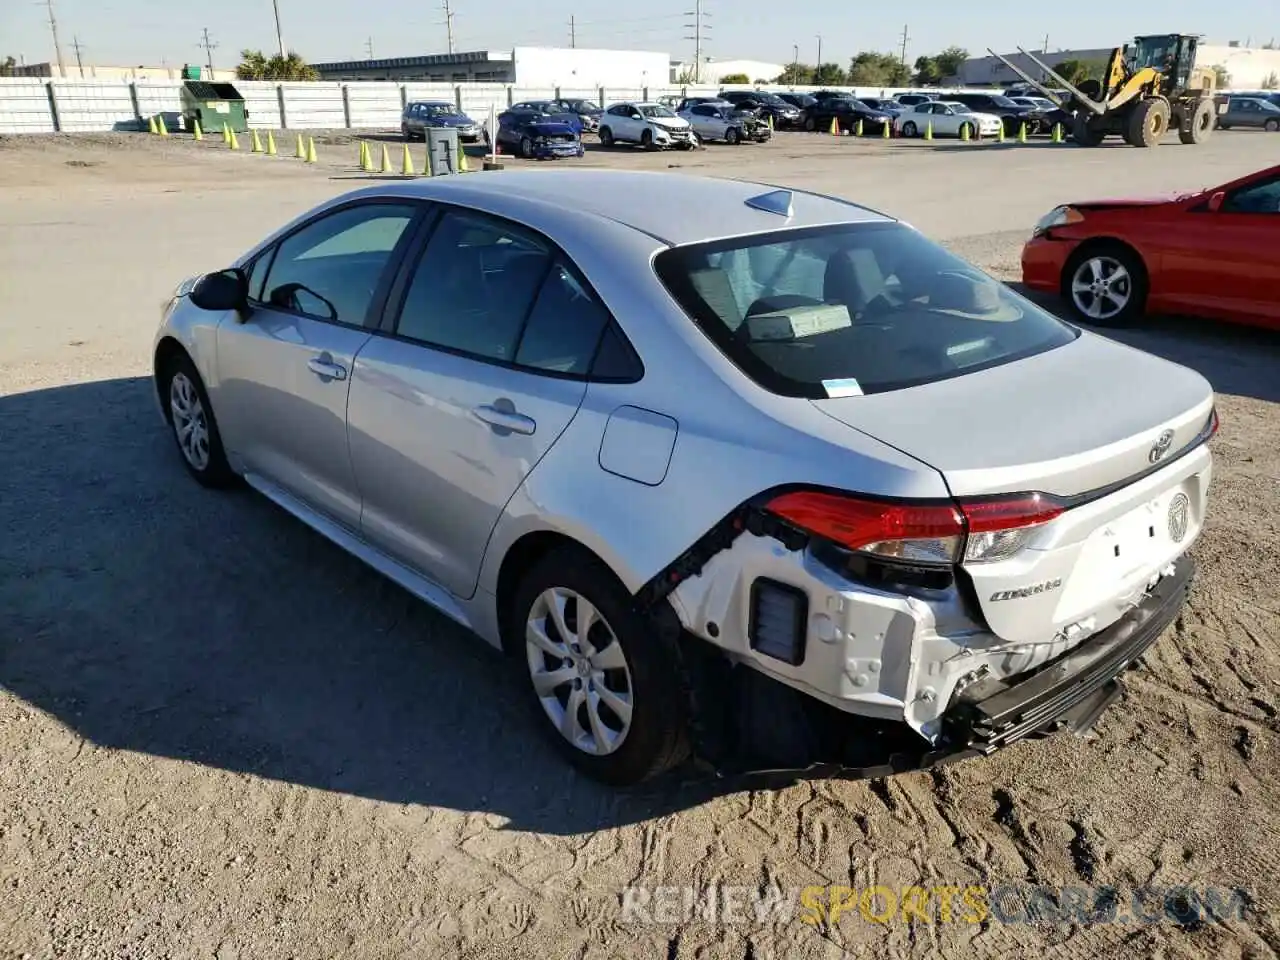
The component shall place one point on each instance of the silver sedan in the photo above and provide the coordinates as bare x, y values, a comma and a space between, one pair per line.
725, 468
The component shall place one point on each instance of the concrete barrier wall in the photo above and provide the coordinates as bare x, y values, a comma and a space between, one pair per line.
33, 105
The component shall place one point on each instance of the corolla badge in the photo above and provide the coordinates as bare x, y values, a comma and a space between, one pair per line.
1023, 592
1160, 447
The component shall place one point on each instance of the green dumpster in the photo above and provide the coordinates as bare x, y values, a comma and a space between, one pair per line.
214, 104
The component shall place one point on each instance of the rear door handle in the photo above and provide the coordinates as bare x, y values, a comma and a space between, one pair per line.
504, 421
324, 366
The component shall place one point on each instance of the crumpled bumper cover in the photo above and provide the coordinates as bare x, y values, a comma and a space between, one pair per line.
1069, 693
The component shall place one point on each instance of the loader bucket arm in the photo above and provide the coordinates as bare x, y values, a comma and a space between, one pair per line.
1047, 91
1093, 105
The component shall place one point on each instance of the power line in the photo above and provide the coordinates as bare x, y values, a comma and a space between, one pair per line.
77, 46
57, 47
698, 28
448, 22
209, 47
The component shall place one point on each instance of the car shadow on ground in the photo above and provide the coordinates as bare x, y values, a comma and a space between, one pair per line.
148, 614
1235, 359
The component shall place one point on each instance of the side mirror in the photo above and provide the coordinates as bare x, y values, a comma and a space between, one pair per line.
224, 290
1215, 201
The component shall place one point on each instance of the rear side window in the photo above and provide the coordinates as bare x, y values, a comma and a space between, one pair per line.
856, 308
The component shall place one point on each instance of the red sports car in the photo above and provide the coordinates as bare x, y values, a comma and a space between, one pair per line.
1215, 253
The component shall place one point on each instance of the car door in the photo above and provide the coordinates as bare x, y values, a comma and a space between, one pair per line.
945, 120
481, 371
706, 122
620, 123
283, 373
1226, 263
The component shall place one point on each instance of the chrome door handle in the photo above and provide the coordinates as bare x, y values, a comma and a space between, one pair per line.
323, 366
505, 421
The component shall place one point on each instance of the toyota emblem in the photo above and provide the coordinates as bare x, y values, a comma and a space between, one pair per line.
1160, 447
1179, 517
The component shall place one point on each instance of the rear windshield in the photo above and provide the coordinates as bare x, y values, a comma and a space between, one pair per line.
849, 309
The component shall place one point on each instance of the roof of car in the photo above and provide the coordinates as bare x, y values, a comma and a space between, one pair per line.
673, 208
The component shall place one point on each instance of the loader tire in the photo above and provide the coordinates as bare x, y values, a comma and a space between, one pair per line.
1148, 123
1083, 133
1201, 125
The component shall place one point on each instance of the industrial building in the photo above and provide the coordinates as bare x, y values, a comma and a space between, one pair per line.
713, 71
532, 67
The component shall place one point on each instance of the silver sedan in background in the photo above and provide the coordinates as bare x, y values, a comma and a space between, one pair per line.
724, 467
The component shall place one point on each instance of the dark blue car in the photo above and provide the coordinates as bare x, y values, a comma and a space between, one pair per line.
421, 114
556, 109
537, 136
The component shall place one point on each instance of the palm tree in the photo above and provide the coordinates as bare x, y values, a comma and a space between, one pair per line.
255, 65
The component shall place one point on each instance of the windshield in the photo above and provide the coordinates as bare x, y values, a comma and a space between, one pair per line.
439, 109
811, 311
959, 107
583, 106
654, 110
1003, 102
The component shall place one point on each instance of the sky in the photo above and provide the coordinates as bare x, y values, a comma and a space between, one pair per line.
158, 32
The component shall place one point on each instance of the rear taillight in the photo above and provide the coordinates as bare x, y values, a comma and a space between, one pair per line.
979, 530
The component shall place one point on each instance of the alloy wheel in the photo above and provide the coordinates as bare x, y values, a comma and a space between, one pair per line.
190, 425
579, 671
1101, 287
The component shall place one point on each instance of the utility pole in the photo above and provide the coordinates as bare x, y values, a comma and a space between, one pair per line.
275, 6
795, 62
817, 67
698, 28
905, 38
573, 38
78, 47
368, 47
57, 47
448, 22
208, 50
1046, 44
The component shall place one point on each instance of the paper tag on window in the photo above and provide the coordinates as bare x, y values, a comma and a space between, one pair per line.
848, 387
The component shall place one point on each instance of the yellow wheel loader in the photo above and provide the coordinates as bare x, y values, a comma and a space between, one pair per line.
1147, 88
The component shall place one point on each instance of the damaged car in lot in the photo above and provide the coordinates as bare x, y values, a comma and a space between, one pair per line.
810, 494
722, 121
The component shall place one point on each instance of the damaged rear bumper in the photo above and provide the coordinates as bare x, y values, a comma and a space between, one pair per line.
1068, 693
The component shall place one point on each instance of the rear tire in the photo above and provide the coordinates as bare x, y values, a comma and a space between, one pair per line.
810, 124
610, 696
909, 129
1108, 301
731, 136
1201, 125
526, 148
1148, 123
606, 137
1271, 126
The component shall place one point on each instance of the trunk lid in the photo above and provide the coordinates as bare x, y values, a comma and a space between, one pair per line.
1072, 420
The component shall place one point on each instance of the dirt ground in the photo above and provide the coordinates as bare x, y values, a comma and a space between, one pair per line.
221, 737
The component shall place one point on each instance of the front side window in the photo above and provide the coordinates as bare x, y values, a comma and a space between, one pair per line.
330, 268
1263, 197
875, 303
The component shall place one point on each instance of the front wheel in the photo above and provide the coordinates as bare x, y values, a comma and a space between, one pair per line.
732, 136
908, 129
967, 131
193, 425
605, 683
1200, 125
526, 148
606, 137
1106, 285
646, 139
1271, 126
810, 124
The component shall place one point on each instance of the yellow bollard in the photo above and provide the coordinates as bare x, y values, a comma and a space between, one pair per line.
859, 127
386, 160
964, 132
164, 131
361, 153
271, 144
311, 150
462, 159
1057, 133
235, 141
771, 123
885, 132
928, 130
406, 165
196, 132
1022, 133
226, 134
1000, 133
257, 143
151, 126
835, 127
300, 152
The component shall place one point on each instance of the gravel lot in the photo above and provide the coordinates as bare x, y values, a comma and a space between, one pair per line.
221, 737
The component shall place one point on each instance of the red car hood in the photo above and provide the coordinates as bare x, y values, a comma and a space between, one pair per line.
1134, 201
